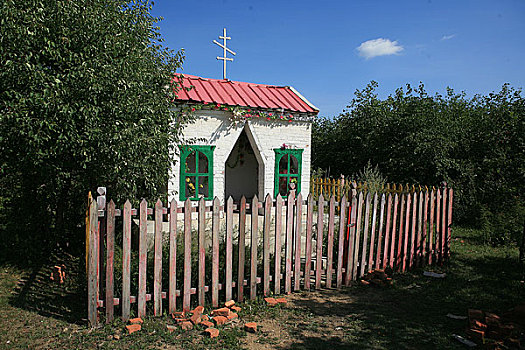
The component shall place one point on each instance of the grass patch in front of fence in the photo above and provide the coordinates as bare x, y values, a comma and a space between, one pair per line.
409, 315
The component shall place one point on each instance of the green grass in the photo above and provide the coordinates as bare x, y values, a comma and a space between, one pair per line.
411, 314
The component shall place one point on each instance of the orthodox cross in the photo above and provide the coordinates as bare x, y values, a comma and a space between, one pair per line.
224, 58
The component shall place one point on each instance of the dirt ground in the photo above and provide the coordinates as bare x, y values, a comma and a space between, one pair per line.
37, 313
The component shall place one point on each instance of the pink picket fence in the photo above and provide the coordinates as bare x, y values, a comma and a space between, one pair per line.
281, 246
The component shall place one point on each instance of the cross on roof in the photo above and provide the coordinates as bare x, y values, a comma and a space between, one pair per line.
224, 58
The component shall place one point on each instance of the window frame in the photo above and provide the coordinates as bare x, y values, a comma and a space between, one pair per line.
185, 151
279, 154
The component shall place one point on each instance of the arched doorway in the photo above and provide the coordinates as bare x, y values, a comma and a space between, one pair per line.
242, 170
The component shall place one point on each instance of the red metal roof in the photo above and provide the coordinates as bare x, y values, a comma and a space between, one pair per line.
236, 93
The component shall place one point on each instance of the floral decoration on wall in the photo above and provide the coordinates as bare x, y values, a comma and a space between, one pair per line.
239, 114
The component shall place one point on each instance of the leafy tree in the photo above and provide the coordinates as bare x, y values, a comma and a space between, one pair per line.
86, 97
476, 145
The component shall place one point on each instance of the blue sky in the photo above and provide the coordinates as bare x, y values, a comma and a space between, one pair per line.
328, 49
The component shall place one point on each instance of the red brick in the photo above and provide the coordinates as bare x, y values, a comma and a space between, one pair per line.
212, 332
250, 327
475, 315
221, 312
195, 318
58, 275
178, 315
365, 283
186, 325
180, 320
204, 318
229, 303
477, 335
207, 324
136, 320
479, 325
281, 300
492, 320
198, 310
132, 328
270, 301
232, 315
220, 320
236, 308
171, 328
490, 314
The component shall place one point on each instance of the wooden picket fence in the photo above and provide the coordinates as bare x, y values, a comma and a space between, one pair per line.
342, 186
310, 247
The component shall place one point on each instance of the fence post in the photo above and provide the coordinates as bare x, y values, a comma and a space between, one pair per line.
143, 256
308, 247
319, 250
289, 242
266, 244
373, 233
365, 234
444, 229
173, 257
186, 298
380, 240
298, 234
241, 246
157, 263
253, 246
387, 236
449, 230
215, 253
278, 234
101, 238
126, 261
341, 241
229, 248
393, 236
202, 250
110, 249
359, 207
92, 259
351, 239
330, 242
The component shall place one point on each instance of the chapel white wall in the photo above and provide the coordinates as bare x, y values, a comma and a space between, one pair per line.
216, 129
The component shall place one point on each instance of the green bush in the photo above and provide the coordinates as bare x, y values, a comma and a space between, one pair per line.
505, 226
475, 144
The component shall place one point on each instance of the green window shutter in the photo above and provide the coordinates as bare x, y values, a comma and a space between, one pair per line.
288, 169
196, 172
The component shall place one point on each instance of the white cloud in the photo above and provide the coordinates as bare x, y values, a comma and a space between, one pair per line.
447, 37
379, 47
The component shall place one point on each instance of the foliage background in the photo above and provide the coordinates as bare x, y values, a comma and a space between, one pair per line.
474, 144
85, 101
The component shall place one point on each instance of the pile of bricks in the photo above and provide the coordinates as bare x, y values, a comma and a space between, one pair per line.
490, 329
135, 325
211, 322
377, 277
58, 274
271, 302
218, 317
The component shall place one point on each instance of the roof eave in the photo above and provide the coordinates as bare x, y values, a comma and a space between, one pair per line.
304, 99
